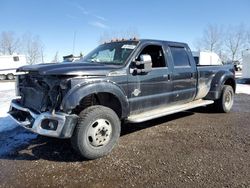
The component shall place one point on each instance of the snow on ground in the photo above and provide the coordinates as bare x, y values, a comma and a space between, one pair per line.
7, 92
9, 140
243, 88
14, 139
238, 74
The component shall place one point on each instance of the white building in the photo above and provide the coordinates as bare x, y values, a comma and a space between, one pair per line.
246, 64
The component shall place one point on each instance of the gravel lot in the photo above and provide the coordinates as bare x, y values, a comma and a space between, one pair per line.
197, 148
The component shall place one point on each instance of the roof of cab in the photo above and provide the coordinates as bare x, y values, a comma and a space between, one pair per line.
172, 43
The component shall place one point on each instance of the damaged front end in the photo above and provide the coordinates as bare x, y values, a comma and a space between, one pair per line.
38, 105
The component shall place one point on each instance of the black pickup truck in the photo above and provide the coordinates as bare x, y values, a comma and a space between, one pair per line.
120, 81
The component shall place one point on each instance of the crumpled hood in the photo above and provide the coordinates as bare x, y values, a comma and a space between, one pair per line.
69, 68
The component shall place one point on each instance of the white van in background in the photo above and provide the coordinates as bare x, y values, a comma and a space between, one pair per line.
9, 64
206, 58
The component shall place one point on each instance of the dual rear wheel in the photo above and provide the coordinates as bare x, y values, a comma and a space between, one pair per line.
225, 102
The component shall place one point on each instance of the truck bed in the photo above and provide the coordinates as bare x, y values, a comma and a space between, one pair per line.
205, 76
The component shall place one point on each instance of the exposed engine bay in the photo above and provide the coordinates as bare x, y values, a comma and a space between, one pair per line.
40, 93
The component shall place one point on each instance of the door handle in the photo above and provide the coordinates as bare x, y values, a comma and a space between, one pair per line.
166, 76
192, 75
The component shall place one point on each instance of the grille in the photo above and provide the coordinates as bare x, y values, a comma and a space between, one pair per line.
34, 92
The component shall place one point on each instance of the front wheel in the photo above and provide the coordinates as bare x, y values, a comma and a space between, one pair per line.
97, 132
225, 103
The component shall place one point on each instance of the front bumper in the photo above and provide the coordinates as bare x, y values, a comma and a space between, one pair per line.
58, 125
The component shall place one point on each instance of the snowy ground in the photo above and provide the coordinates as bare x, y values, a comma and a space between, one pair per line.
243, 88
21, 136
7, 93
238, 74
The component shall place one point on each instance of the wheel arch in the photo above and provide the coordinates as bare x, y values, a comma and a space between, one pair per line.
220, 79
231, 82
103, 93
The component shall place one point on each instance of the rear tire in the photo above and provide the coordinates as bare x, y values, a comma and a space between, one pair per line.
10, 76
97, 132
225, 102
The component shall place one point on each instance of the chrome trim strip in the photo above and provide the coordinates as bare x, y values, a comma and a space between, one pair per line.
160, 112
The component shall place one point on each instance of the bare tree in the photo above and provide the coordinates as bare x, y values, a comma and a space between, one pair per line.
42, 53
248, 38
236, 42
9, 43
33, 49
123, 34
55, 59
211, 40
104, 38
131, 32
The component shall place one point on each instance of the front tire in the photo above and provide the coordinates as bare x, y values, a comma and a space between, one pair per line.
225, 102
97, 132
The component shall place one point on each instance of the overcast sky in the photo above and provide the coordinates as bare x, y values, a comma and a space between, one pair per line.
55, 21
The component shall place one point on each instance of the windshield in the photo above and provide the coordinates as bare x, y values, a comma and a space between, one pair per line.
111, 53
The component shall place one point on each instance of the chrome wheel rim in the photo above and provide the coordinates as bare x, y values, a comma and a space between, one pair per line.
99, 133
228, 100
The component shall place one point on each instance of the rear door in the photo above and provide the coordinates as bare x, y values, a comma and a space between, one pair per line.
184, 75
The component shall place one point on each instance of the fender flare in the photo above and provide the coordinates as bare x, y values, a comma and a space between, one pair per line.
77, 93
218, 82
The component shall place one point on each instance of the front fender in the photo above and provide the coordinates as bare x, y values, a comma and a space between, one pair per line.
77, 93
218, 82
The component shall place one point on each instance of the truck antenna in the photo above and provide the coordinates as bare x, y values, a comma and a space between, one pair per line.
74, 41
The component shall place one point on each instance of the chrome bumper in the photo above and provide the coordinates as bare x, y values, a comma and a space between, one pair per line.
64, 124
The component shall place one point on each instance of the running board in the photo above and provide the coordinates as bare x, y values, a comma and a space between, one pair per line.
156, 113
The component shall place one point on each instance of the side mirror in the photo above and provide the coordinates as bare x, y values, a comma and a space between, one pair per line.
144, 65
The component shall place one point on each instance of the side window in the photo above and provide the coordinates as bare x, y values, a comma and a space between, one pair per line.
196, 59
156, 54
180, 56
16, 58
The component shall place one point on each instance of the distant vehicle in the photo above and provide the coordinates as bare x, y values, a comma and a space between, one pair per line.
9, 64
206, 58
237, 65
123, 81
71, 58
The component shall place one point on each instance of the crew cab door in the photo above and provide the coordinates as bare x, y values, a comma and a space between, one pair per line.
184, 75
150, 90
